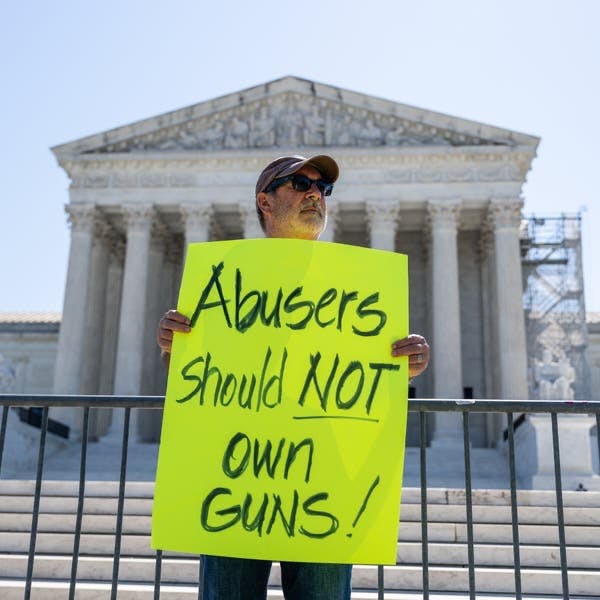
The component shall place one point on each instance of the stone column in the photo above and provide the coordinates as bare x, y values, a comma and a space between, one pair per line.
168, 292
114, 288
196, 222
149, 421
67, 374
96, 305
505, 217
495, 422
445, 314
132, 323
333, 218
250, 223
382, 218
94, 340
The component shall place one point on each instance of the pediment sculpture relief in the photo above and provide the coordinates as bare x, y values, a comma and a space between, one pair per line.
291, 121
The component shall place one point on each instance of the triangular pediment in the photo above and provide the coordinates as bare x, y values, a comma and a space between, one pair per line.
293, 113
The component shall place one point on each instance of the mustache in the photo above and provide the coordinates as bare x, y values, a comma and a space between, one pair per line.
312, 205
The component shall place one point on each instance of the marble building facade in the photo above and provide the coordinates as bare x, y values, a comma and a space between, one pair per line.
444, 190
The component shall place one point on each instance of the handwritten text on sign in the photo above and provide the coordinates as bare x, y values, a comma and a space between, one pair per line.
285, 415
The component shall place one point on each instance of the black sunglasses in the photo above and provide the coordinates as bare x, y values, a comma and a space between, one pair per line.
301, 183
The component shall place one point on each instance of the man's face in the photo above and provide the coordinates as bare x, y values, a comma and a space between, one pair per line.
292, 214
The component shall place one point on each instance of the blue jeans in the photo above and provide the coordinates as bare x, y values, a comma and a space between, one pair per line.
245, 579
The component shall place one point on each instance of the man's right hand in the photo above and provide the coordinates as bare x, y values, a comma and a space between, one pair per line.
171, 321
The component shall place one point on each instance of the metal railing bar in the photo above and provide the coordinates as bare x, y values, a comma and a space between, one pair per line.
597, 435
380, 582
495, 406
469, 504
157, 574
3, 432
79, 518
200, 582
560, 509
121, 502
514, 506
424, 532
36, 504
414, 404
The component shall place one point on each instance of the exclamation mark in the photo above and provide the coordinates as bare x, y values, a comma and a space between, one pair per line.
364, 504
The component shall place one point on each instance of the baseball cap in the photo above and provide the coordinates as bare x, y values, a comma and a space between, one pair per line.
287, 165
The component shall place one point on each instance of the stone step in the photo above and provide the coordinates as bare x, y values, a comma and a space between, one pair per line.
364, 579
539, 515
26, 487
410, 495
93, 505
447, 548
185, 570
65, 523
531, 515
490, 580
17, 526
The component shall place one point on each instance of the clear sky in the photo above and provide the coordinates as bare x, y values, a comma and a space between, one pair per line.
74, 68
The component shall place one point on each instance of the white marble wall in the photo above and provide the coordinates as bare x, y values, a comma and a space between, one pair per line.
594, 355
33, 355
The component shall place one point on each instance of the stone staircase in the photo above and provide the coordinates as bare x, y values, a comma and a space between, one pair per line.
448, 572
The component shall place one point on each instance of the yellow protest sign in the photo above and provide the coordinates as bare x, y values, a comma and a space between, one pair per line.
285, 414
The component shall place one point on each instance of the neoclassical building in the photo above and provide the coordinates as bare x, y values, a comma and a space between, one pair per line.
446, 191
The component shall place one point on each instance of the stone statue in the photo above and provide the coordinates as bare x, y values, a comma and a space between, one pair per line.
554, 378
395, 137
237, 134
369, 135
289, 126
314, 128
185, 139
342, 130
262, 132
212, 138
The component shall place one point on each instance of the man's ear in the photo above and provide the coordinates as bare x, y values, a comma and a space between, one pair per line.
264, 202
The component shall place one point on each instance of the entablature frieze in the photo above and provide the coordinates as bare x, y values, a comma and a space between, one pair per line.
147, 172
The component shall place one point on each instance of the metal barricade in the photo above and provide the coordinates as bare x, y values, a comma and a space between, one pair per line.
420, 406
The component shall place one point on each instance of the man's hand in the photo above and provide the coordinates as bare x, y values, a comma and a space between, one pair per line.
171, 321
417, 349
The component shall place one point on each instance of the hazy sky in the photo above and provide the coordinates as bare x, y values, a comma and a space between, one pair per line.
70, 69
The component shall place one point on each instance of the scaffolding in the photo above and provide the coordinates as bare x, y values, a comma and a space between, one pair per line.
553, 300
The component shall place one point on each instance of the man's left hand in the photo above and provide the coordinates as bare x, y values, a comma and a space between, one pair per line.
417, 349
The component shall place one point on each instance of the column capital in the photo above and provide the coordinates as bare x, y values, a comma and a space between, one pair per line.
81, 217
443, 214
505, 213
138, 217
196, 215
382, 215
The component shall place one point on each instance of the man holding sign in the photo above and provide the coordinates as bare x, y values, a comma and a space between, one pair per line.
291, 197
